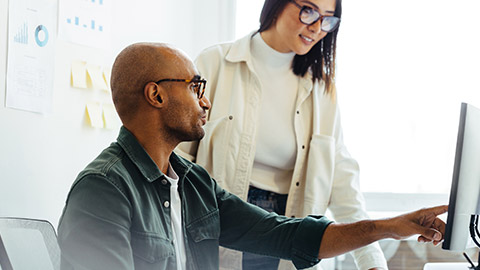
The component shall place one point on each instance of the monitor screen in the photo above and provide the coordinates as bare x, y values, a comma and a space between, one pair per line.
465, 190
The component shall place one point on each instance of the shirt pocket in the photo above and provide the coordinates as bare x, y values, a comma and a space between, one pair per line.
206, 227
151, 248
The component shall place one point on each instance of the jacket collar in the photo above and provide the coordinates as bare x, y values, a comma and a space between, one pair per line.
147, 167
240, 51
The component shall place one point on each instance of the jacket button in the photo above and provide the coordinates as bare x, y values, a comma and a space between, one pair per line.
298, 184
166, 204
298, 112
303, 146
164, 181
230, 117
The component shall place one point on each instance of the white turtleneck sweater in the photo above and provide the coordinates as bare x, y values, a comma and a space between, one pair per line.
276, 147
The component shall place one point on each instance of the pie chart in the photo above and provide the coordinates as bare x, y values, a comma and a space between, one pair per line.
41, 35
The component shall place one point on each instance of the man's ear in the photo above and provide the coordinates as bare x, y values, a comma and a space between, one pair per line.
153, 94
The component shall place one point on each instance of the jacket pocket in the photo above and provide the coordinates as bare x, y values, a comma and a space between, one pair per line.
206, 227
151, 248
320, 172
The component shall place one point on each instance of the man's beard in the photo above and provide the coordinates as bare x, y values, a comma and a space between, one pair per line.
182, 135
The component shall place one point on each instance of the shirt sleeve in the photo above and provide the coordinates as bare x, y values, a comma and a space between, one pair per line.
246, 227
93, 231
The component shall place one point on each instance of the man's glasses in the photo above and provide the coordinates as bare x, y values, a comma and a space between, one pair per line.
197, 84
310, 16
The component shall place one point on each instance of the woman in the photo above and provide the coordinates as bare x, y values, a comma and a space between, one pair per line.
273, 135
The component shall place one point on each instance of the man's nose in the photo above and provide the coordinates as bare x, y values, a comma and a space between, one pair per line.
205, 103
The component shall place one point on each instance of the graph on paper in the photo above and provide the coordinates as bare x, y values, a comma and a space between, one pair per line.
31, 53
85, 22
21, 36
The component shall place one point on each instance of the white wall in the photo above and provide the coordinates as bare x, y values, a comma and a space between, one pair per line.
40, 155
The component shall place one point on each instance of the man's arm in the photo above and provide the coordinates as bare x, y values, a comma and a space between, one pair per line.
93, 232
342, 238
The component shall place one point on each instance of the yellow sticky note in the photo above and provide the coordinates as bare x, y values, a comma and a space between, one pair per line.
96, 75
78, 75
107, 74
94, 114
110, 117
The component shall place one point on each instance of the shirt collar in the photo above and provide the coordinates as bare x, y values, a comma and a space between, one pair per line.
147, 167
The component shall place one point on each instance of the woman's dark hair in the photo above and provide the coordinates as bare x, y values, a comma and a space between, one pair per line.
320, 59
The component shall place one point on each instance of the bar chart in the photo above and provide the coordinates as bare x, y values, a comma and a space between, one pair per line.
85, 22
21, 36
88, 23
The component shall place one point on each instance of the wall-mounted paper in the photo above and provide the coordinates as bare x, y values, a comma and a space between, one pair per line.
79, 74
96, 75
86, 22
94, 114
110, 116
32, 28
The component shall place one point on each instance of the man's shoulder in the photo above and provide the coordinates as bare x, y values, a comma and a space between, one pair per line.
107, 165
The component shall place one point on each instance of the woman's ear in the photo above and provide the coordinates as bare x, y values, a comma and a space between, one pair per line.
153, 94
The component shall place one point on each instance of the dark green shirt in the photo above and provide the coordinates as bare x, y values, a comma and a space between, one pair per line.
117, 216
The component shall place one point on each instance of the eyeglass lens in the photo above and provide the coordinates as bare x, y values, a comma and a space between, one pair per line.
198, 88
310, 16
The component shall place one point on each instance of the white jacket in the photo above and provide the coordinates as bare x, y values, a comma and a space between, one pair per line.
228, 149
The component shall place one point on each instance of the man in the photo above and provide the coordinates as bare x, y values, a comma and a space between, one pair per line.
140, 206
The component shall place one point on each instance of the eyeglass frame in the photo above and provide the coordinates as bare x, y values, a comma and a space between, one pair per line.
320, 16
196, 79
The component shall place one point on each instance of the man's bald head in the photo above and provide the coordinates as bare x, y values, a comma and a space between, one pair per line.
139, 64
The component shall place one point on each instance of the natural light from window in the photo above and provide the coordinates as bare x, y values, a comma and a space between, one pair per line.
403, 68
247, 17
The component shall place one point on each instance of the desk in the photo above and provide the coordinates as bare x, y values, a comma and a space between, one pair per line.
411, 255
446, 266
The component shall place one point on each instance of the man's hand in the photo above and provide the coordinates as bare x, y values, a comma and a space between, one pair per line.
342, 238
424, 222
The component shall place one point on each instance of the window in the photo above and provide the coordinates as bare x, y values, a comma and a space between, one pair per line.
403, 68
247, 17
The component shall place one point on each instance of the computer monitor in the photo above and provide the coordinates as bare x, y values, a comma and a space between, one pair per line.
465, 190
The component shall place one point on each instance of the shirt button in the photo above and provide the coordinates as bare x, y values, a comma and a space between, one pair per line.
166, 204
303, 146
298, 112
164, 181
230, 117
298, 184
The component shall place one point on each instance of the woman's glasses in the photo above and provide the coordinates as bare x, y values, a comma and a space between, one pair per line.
197, 84
310, 16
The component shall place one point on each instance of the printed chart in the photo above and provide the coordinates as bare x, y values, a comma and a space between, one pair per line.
31, 54
86, 22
